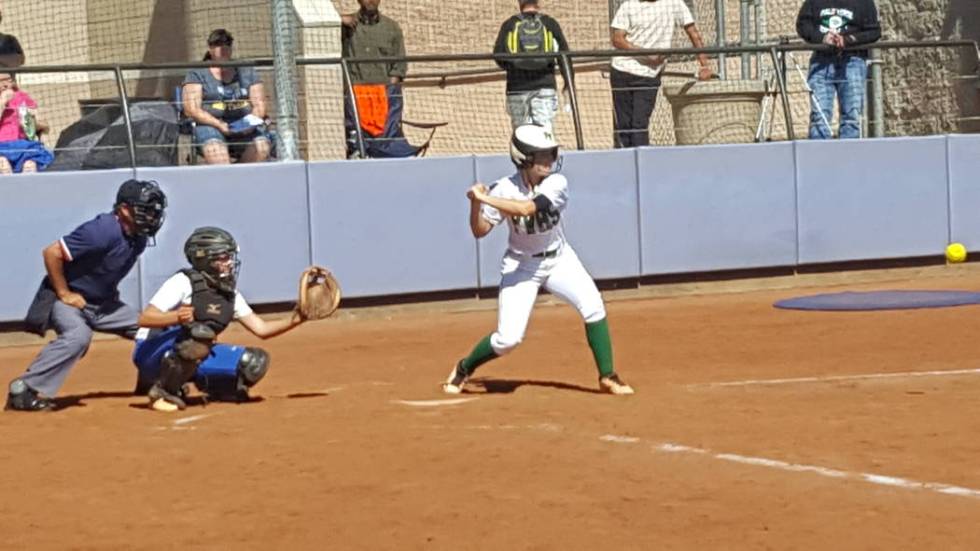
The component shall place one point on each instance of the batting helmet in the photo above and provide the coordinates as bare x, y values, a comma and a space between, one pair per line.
214, 253
529, 139
147, 203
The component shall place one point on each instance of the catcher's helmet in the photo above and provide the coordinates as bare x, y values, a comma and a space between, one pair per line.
205, 247
529, 139
147, 203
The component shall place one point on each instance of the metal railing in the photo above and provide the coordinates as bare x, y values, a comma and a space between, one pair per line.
570, 62
776, 52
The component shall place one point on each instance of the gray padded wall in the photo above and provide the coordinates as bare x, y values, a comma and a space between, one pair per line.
964, 190
393, 226
867, 199
263, 205
38, 209
718, 208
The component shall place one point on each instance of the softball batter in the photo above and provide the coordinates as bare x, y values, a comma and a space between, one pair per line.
532, 202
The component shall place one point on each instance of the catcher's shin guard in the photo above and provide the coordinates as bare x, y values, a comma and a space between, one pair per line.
167, 393
175, 371
230, 371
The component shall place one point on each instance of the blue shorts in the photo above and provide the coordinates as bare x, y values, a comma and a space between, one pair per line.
220, 366
203, 134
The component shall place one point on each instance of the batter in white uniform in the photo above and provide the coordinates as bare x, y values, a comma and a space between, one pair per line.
532, 201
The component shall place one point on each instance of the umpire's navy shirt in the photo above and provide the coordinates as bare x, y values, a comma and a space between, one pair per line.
99, 255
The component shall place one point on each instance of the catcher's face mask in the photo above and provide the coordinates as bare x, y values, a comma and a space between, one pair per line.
225, 267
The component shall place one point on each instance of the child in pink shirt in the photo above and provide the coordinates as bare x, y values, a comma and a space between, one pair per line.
10, 122
20, 150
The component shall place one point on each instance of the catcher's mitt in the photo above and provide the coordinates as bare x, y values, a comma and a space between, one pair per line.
319, 294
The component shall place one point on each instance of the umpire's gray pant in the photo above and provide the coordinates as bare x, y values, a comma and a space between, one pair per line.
47, 372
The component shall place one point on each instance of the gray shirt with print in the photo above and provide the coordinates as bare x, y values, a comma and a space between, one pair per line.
227, 101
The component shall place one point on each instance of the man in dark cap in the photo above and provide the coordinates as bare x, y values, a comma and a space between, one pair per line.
80, 293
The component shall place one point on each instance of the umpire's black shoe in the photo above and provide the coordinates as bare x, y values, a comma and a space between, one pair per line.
26, 399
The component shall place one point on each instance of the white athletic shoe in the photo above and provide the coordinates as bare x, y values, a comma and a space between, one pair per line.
456, 381
161, 400
614, 385
162, 405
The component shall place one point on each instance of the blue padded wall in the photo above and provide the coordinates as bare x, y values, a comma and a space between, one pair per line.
964, 190
489, 169
263, 205
38, 209
393, 226
867, 199
401, 226
719, 208
601, 221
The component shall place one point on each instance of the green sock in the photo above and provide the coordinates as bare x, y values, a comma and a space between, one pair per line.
597, 333
481, 354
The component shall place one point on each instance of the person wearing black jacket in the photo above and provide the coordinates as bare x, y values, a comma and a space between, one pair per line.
532, 95
845, 26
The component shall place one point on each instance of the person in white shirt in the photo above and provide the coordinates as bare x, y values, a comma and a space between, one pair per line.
532, 202
635, 81
176, 340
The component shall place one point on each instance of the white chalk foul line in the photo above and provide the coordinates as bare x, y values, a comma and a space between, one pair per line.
872, 478
191, 419
619, 439
433, 403
833, 378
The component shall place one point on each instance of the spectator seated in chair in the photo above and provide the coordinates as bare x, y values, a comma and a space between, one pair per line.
227, 105
20, 147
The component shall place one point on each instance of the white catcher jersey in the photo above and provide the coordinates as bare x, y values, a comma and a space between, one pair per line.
541, 231
177, 291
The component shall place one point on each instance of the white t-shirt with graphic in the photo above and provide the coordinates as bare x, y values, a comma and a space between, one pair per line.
177, 291
540, 232
648, 25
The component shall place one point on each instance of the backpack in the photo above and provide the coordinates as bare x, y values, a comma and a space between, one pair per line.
530, 35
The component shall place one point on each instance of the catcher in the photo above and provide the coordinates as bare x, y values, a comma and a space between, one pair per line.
178, 329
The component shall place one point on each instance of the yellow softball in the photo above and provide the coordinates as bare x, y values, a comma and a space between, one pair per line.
955, 252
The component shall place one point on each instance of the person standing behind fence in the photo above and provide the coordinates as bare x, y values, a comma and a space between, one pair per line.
532, 95
840, 24
635, 81
367, 34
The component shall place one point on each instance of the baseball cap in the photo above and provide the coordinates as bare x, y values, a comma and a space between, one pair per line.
129, 192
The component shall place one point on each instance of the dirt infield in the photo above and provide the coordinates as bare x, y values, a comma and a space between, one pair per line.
345, 450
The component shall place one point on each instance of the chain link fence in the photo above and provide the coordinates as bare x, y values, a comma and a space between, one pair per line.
926, 90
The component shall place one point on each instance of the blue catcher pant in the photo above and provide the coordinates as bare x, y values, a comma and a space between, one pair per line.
218, 371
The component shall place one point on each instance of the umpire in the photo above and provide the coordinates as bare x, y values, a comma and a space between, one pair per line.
80, 293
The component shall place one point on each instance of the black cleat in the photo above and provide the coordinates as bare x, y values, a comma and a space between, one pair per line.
27, 400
